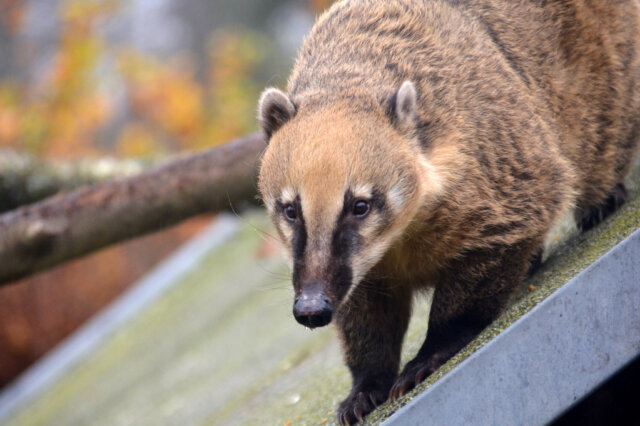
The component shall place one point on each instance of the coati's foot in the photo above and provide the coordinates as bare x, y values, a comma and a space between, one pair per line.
440, 345
359, 403
415, 372
536, 261
595, 215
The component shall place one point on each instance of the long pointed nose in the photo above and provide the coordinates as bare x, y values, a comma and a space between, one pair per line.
313, 308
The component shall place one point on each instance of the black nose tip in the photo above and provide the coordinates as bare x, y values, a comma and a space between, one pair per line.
313, 311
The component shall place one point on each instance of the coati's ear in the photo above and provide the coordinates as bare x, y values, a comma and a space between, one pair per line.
403, 106
274, 109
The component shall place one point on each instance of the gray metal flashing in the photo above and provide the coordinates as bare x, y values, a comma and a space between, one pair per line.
82, 342
548, 359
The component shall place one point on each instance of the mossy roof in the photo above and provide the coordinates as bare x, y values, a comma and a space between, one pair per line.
221, 347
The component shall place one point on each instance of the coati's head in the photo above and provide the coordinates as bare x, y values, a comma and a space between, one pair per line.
341, 179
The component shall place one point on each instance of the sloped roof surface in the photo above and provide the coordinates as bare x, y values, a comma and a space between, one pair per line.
221, 346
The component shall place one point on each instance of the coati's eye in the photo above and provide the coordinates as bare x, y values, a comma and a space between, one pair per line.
289, 212
361, 208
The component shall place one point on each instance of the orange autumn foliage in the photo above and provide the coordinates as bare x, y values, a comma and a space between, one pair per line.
67, 113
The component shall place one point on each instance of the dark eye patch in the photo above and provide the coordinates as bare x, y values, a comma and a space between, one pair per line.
361, 208
290, 212
346, 239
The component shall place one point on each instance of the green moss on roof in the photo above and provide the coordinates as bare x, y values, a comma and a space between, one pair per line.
221, 347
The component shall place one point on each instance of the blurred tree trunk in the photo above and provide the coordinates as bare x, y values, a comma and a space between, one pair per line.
69, 225
25, 179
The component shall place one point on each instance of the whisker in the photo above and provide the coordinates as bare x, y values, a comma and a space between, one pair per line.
277, 274
281, 286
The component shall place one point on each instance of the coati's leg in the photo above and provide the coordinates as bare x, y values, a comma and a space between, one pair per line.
443, 341
371, 325
470, 298
594, 215
536, 262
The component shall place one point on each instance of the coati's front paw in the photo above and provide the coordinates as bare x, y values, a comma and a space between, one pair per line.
413, 373
597, 214
359, 403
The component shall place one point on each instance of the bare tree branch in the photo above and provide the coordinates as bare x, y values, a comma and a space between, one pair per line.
25, 179
41, 235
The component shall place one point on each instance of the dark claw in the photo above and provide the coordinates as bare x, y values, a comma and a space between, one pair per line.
412, 375
358, 404
358, 412
398, 389
373, 400
421, 375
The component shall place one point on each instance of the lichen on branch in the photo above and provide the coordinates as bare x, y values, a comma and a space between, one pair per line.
69, 225
25, 179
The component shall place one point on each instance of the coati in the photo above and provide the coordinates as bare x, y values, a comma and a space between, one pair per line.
433, 144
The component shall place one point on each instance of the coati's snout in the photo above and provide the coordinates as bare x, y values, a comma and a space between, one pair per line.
312, 307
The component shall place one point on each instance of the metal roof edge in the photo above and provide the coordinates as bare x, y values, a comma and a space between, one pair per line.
548, 359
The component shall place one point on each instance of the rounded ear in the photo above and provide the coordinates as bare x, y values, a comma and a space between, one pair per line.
404, 106
274, 109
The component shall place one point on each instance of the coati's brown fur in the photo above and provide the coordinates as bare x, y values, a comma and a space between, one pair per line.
462, 130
